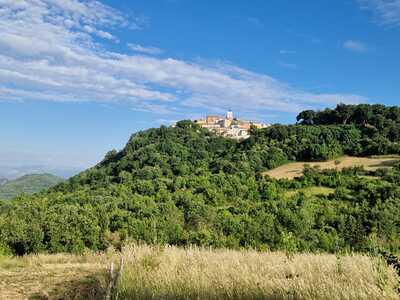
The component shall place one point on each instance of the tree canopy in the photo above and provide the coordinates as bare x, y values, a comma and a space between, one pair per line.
184, 185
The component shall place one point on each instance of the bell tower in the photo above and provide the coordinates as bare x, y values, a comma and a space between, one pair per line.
229, 115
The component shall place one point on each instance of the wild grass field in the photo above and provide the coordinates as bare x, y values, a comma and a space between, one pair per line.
293, 170
53, 276
310, 191
165, 272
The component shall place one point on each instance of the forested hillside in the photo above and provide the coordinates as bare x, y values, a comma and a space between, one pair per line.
374, 120
27, 184
184, 185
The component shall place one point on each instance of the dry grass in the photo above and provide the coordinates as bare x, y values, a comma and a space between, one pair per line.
174, 273
293, 170
57, 276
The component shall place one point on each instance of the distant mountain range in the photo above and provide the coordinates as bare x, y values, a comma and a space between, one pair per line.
27, 184
3, 181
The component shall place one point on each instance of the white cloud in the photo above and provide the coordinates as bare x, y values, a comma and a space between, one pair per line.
146, 50
386, 12
100, 33
48, 52
355, 46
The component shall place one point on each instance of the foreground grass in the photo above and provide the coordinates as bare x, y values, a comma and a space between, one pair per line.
293, 170
193, 273
174, 273
57, 276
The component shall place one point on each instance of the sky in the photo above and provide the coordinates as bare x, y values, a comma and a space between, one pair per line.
78, 77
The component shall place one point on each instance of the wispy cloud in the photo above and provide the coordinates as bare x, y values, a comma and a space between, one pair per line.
146, 50
284, 52
355, 46
286, 65
100, 33
48, 53
255, 21
386, 12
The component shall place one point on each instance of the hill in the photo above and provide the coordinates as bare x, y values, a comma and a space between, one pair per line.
184, 185
164, 272
27, 184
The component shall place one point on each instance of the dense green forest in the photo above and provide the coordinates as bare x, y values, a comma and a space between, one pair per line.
183, 185
373, 120
27, 184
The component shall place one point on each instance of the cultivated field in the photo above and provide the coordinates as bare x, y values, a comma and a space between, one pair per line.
176, 273
293, 170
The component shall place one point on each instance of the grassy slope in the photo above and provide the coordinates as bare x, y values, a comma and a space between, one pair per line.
293, 170
28, 184
311, 191
175, 273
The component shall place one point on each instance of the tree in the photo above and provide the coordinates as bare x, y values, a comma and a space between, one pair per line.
362, 114
344, 113
306, 117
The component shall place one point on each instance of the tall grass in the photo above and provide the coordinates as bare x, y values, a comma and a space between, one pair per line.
175, 273
164, 272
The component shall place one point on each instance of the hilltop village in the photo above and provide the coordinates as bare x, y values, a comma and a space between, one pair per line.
228, 126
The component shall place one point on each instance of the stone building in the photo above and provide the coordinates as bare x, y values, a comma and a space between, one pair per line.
229, 126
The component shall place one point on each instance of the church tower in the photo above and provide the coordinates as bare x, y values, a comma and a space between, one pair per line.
229, 115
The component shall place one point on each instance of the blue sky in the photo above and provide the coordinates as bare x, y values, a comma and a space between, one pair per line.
77, 78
